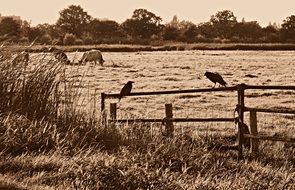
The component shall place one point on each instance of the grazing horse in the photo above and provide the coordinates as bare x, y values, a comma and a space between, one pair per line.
60, 55
92, 55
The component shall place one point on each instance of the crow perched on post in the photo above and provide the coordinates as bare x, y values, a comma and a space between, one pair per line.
215, 78
126, 89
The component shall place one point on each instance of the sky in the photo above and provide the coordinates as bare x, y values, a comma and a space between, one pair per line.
196, 11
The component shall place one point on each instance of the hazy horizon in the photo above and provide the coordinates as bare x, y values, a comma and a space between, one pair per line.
196, 11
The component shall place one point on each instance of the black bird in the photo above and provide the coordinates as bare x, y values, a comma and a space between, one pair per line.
215, 78
126, 89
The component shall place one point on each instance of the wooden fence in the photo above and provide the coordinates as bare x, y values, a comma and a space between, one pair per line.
253, 136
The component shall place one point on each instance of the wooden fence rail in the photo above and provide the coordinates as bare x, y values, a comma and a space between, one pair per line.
184, 120
163, 92
241, 109
264, 137
284, 111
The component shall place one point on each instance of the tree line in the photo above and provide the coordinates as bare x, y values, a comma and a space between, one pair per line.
76, 27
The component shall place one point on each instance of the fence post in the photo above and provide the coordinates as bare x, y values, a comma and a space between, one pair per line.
253, 130
113, 111
94, 104
169, 128
102, 109
241, 105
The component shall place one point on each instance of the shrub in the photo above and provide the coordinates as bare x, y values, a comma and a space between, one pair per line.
217, 40
88, 40
79, 42
57, 41
45, 39
24, 40
69, 39
202, 39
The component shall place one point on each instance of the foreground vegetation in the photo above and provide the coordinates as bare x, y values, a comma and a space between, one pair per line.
46, 143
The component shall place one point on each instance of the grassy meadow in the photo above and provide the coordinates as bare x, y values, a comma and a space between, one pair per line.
51, 135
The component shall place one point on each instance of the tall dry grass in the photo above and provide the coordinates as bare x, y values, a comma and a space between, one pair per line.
29, 93
39, 114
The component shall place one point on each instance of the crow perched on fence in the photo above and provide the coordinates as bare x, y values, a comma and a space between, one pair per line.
126, 89
215, 78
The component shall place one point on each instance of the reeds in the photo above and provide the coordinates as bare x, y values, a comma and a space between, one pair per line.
38, 107
29, 92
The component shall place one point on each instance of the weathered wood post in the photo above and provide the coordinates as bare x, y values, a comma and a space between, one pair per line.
94, 104
169, 128
113, 112
102, 109
253, 130
241, 106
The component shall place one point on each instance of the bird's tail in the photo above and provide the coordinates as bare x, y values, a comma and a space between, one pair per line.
120, 97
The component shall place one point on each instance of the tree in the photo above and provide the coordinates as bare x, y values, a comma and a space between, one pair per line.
223, 23
170, 33
288, 29
248, 31
34, 33
206, 30
10, 27
190, 33
271, 33
44, 33
143, 24
25, 28
174, 22
73, 20
104, 29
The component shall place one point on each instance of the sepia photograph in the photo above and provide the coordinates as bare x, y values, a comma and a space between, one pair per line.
147, 95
